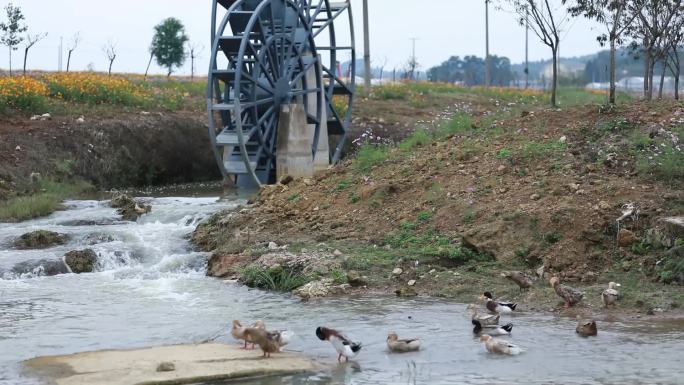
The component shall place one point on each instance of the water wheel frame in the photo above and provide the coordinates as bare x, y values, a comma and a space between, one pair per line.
272, 60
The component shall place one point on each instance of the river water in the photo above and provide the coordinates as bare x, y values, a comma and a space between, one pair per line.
150, 289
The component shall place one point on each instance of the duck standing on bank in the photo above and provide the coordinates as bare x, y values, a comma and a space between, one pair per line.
496, 306
570, 295
492, 330
498, 346
267, 341
238, 331
343, 345
610, 296
394, 344
523, 280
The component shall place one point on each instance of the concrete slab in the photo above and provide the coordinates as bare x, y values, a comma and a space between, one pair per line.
191, 364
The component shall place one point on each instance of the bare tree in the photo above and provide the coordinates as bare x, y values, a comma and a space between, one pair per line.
617, 16
110, 50
31, 40
547, 22
650, 33
73, 44
673, 60
195, 50
149, 63
382, 67
411, 67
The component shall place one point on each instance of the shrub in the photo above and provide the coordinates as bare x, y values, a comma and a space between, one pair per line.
93, 88
276, 278
23, 93
418, 139
667, 165
370, 156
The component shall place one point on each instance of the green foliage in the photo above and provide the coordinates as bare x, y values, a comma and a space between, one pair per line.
12, 28
553, 237
469, 216
522, 252
667, 165
339, 277
504, 153
49, 199
168, 44
277, 278
459, 124
369, 156
424, 216
672, 270
390, 92
539, 150
419, 138
354, 197
341, 186
294, 198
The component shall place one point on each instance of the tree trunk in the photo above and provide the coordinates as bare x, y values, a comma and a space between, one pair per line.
647, 63
662, 83
25, 55
192, 68
554, 84
611, 98
148, 66
676, 85
68, 60
651, 70
111, 62
168, 75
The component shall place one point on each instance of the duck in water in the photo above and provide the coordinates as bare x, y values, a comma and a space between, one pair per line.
496, 306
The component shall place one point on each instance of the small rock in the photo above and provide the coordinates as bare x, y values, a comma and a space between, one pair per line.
166, 367
80, 119
540, 271
535, 197
397, 271
574, 186
315, 289
46, 116
355, 279
337, 253
626, 238
272, 246
563, 139
81, 261
406, 291
18, 148
603, 205
432, 271
501, 168
40, 239
412, 282
287, 179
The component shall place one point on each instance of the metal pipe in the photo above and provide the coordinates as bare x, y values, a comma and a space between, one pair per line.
366, 48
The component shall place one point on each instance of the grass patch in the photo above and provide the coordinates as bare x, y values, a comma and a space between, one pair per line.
667, 165
461, 123
47, 199
418, 139
277, 278
539, 150
370, 156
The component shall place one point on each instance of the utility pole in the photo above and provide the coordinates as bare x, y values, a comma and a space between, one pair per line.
366, 48
413, 58
59, 58
527, 48
488, 68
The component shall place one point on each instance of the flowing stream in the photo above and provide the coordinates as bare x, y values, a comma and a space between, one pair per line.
150, 289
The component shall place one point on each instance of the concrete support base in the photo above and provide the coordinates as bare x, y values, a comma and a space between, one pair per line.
295, 138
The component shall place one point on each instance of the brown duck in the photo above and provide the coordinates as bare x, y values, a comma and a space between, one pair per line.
269, 342
586, 329
570, 295
523, 280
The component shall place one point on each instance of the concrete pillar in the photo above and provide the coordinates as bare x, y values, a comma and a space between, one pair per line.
295, 138
322, 159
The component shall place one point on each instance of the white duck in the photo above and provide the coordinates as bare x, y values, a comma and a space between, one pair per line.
394, 344
497, 346
238, 331
610, 296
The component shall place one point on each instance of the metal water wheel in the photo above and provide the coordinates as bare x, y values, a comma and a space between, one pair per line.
264, 55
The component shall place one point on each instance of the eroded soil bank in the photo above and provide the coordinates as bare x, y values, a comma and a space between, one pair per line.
118, 150
445, 212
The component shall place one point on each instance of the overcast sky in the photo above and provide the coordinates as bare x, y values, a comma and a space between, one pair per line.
443, 28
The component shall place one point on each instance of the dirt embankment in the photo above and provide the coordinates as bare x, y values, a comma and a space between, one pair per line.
530, 189
127, 149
